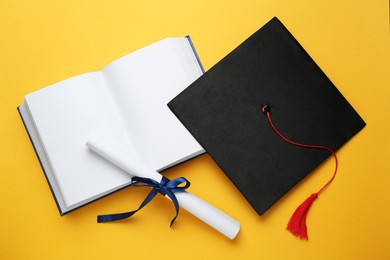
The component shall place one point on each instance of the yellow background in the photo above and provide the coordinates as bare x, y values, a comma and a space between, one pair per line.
42, 42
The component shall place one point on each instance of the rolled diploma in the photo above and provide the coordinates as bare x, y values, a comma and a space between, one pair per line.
129, 162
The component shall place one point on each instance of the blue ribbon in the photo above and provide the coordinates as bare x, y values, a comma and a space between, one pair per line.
165, 187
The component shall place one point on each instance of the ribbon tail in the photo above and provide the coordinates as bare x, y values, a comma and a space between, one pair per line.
175, 203
121, 216
115, 217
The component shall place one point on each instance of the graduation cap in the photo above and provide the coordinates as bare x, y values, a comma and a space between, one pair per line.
228, 110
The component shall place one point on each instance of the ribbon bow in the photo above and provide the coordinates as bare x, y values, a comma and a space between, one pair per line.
165, 187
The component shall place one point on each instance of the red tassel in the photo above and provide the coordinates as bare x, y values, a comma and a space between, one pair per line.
297, 223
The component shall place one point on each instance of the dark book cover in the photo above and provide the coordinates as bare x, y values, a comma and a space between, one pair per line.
222, 110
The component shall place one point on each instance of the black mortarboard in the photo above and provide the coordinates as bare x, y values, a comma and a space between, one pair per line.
222, 110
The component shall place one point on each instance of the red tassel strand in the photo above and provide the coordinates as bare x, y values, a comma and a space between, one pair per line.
297, 224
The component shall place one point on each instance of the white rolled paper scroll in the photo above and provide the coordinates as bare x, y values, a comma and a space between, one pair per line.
129, 162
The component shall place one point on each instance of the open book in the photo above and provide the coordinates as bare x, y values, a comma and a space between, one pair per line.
126, 100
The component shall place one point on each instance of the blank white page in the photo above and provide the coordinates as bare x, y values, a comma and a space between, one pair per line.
66, 114
142, 83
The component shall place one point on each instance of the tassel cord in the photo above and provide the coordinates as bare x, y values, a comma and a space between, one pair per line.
307, 146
